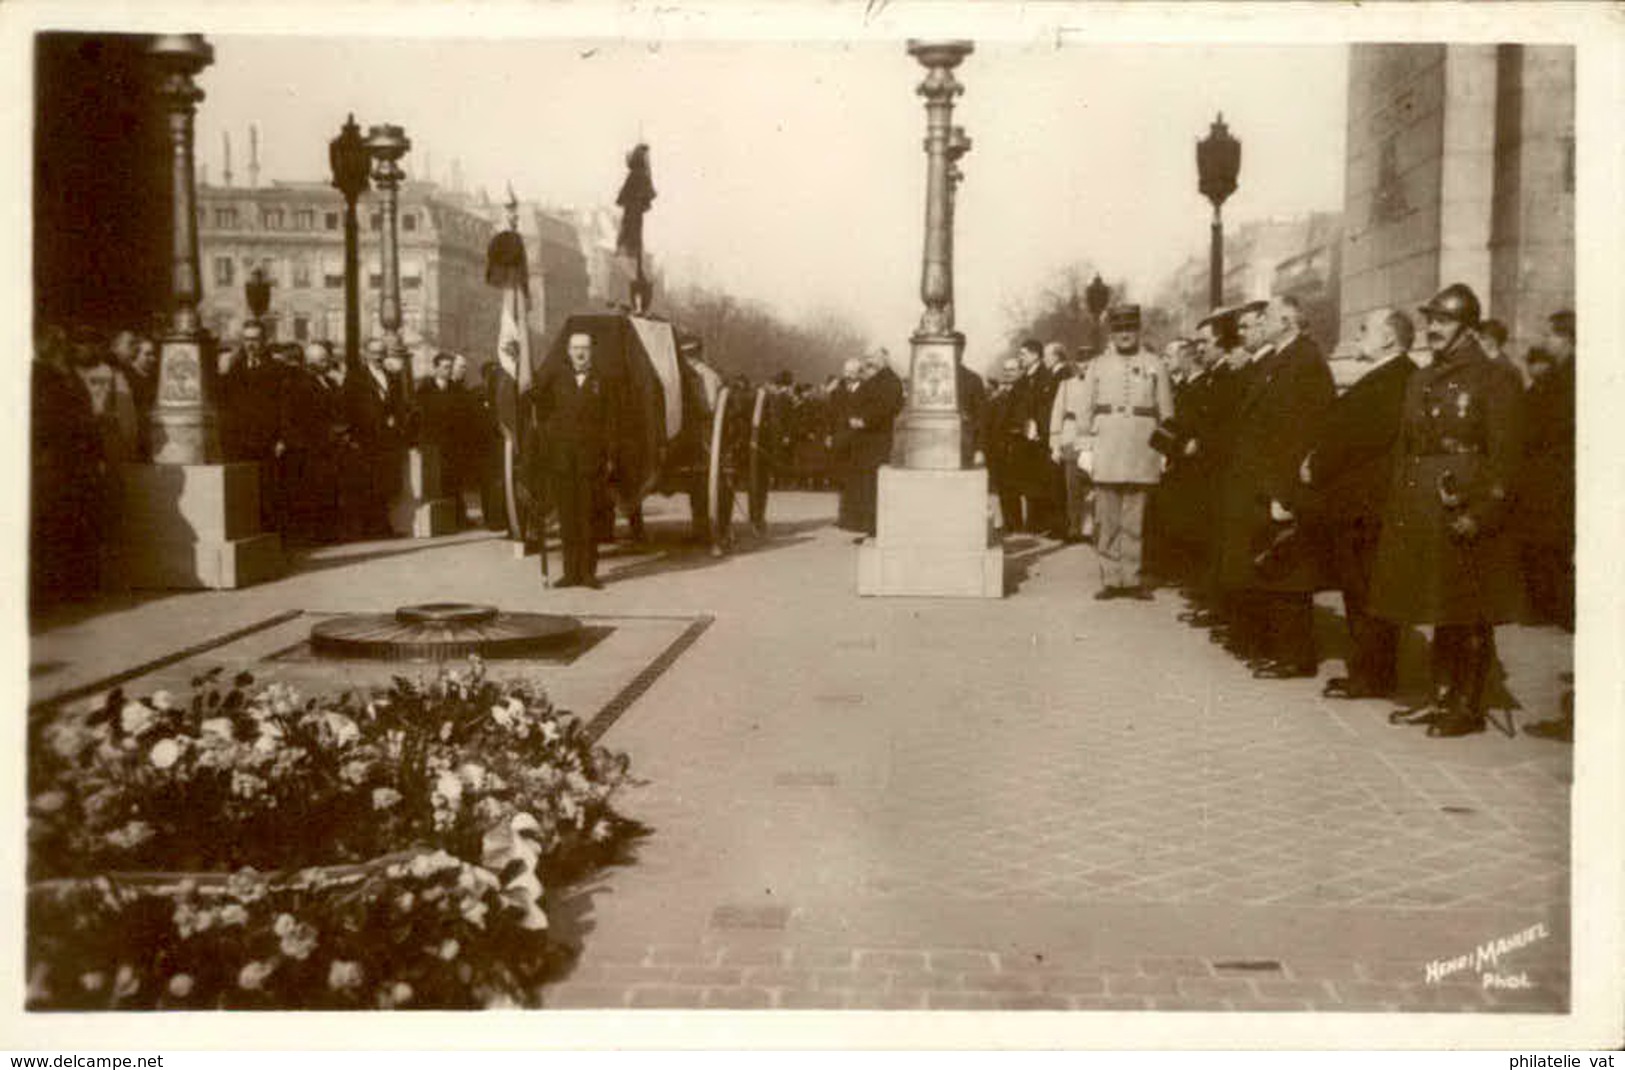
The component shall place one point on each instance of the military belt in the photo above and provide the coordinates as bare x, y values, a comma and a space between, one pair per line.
1137, 410
1450, 449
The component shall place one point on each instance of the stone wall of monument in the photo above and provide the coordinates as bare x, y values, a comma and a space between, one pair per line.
1532, 232
1460, 169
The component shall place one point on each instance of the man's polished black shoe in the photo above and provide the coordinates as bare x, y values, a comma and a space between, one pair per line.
1451, 725
1420, 715
1107, 594
1141, 593
567, 582
1280, 670
1345, 687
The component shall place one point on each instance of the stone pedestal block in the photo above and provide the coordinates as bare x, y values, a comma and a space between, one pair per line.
933, 537
418, 510
196, 526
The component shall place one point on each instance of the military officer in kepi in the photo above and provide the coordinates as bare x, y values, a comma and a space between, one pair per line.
1446, 556
1125, 395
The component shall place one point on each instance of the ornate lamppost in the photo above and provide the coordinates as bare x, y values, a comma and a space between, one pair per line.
958, 146
388, 143
928, 431
350, 160
183, 420
1218, 162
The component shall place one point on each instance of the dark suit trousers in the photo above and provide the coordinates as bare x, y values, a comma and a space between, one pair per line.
1286, 621
574, 485
1373, 657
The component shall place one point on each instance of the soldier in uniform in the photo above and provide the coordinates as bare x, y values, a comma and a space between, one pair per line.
1286, 392
1068, 422
1124, 394
1345, 480
1446, 556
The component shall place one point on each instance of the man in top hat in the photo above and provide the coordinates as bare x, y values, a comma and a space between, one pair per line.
1345, 479
1447, 555
1125, 393
1286, 391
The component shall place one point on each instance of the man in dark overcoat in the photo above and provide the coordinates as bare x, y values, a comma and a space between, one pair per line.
575, 411
1345, 484
375, 398
839, 439
1546, 484
1447, 554
442, 405
1287, 393
1184, 495
1001, 430
972, 395
875, 406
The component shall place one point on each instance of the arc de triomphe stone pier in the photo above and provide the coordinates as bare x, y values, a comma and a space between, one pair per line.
933, 536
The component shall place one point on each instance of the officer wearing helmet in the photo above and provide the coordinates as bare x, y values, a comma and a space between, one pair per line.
1445, 556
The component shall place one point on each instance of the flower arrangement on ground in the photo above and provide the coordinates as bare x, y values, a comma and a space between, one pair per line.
250, 847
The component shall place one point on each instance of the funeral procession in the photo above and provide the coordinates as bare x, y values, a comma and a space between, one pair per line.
881, 523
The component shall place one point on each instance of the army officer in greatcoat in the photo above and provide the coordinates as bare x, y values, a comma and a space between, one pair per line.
1125, 394
1446, 556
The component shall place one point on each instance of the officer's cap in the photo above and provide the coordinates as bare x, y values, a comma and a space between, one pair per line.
1124, 318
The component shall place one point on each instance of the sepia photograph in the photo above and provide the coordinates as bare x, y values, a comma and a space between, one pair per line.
856, 507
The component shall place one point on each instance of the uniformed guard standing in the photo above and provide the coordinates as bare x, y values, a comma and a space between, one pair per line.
1128, 394
1446, 555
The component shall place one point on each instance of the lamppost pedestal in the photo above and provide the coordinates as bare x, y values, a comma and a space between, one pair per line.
189, 521
933, 535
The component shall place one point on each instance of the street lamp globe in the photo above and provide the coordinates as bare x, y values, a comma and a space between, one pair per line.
257, 290
350, 159
1096, 295
1218, 163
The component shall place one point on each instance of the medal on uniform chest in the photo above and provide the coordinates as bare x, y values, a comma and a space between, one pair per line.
1464, 401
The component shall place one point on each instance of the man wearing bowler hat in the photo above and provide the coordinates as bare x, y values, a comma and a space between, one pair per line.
1126, 393
1447, 555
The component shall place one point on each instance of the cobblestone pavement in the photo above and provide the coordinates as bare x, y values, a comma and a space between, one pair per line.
1043, 802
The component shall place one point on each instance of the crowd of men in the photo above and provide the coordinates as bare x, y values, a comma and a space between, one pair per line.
1435, 491
329, 444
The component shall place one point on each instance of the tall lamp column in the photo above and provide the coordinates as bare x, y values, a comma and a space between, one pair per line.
928, 432
388, 143
350, 161
183, 421
1218, 162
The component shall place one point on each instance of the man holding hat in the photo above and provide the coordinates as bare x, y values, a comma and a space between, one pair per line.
1446, 555
1285, 394
1126, 393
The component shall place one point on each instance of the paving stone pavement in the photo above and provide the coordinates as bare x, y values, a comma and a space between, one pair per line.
1043, 802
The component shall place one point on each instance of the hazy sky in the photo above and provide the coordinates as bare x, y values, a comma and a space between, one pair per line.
793, 172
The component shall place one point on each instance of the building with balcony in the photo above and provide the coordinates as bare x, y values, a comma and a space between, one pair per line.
294, 233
